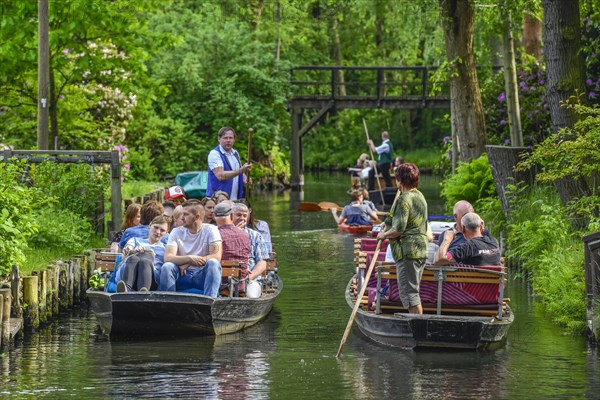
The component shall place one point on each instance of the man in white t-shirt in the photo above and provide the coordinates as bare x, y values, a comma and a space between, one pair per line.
192, 255
225, 170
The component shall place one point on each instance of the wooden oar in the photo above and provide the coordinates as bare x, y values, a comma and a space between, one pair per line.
306, 206
250, 130
358, 298
328, 205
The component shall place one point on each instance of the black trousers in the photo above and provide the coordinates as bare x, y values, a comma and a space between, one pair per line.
384, 168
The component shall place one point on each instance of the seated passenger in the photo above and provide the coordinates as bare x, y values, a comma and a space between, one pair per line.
258, 225
150, 210
259, 254
235, 241
192, 255
143, 259
477, 249
209, 204
461, 207
355, 213
132, 218
177, 214
220, 196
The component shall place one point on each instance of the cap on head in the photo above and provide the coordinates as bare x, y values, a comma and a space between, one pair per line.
222, 209
175, 192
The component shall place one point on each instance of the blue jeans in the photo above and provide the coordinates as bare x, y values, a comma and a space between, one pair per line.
206, 278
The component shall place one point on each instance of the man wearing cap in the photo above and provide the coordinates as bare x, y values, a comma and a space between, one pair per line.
236, 241
192, 255
259, 254
225, 170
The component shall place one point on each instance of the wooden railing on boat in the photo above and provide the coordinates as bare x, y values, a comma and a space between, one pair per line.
490, 279
231, 271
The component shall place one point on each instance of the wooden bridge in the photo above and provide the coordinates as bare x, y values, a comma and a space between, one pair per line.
324, 90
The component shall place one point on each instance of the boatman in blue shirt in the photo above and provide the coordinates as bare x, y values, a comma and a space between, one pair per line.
225, 170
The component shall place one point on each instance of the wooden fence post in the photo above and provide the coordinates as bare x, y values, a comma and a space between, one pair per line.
30, 300
15, 284
5, 294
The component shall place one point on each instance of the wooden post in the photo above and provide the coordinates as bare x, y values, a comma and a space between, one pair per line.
5, 294
296, 163
30, 300
54, 285
43, 101
15, 284
70, 279
76, 267
84, 277
115, 190
63, 286
41, 297
2, 319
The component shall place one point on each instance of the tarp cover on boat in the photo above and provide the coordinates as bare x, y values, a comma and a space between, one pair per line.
193, 182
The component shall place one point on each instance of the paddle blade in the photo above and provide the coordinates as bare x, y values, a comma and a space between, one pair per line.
328, 205
309, 207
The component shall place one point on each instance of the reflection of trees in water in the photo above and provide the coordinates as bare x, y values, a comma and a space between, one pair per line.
383, 372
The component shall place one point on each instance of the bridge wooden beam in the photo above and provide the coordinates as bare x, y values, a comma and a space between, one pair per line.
317, 118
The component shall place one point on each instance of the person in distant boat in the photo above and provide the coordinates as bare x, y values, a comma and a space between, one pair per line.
476, 249
259, 253
192, 255
355, 172
385, 151
150, 210
461, 208
132, 218
143, 259
406, 229
355, 213
225, 170
398, 161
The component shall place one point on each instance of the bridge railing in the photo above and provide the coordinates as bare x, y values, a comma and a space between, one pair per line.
367, 83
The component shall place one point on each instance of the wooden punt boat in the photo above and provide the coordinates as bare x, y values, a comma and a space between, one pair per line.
463, 306
179, 313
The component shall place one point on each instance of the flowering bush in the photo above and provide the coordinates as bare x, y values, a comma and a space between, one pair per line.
535, 116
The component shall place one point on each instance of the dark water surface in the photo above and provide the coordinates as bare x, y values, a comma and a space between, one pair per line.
292, 353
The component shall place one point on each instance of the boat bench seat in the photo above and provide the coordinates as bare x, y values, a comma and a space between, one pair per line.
105, 260
447, 289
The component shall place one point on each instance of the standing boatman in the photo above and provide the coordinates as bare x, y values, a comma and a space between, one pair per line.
386, 156
225, 167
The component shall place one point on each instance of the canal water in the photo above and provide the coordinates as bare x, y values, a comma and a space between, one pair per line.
292, 353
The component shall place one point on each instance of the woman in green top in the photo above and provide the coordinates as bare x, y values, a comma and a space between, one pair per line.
406, 229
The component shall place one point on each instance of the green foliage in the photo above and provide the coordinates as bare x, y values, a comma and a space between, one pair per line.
17, 222
61, 228
540, 240
573, 154
472, 181
78, 188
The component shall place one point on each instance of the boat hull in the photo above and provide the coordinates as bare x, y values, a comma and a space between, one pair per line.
175, 313
443, 331
355, 229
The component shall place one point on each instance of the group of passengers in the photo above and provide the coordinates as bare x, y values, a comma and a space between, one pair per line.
407, 228
179, 245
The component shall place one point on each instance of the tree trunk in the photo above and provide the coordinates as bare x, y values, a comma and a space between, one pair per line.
337, 51
459, 19
278, 19
502, 161
564, 65
510, 79
53, 100
532, 36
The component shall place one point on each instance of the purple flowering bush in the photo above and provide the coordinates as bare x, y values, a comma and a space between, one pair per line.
535, 116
